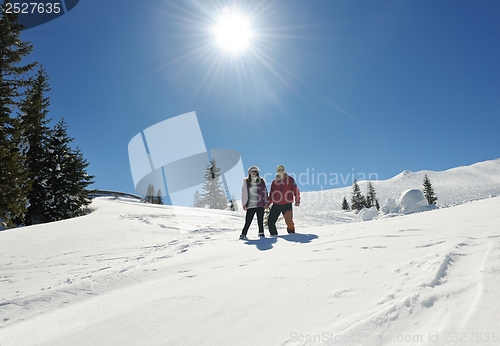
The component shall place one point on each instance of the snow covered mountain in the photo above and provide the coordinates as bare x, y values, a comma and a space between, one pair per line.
452, 187
128, 274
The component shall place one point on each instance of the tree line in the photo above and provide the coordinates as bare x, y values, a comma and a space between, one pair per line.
359, 201
42, 178
153, 198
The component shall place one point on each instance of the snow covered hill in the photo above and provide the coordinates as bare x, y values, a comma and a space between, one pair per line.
128, 274
452, 187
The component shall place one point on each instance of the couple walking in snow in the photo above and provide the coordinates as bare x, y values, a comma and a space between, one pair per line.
255, 199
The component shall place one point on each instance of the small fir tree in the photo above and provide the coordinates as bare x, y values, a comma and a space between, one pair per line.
158, 197
371, 196
233, 205
150, 194
345, 205
213, 196
197, 203
67, 181
266, 216
358, 201
429, 191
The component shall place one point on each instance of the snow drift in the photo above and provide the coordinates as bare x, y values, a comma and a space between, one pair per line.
411, 201
367, 214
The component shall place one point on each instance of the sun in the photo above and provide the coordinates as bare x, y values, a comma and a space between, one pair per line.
233, 33
231, 47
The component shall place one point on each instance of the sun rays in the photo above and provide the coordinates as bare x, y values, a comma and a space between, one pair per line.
248, 48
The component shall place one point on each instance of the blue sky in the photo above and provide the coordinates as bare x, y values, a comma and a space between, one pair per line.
331, 87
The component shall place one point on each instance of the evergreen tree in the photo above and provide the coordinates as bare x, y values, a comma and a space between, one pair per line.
150, 194
345, 205
358, 201
214, 196
429, 191
33, 144
67, 178
14, 184
371, 196
233, 205
158, 198
266, 216
197, 203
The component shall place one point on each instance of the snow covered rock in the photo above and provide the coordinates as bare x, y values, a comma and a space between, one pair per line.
413, 201
390, 206
368, 214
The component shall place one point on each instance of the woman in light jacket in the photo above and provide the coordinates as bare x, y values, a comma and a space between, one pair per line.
254, 198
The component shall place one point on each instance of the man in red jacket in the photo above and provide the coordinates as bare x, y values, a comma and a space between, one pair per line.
283, 191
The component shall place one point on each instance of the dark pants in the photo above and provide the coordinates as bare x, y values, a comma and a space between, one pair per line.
275, 212
248, 220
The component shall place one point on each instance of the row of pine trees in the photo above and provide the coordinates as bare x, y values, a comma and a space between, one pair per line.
359, 201
42, 178
153, 198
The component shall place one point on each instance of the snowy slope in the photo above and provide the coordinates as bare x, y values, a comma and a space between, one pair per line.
137, 274
452, 187
125, 275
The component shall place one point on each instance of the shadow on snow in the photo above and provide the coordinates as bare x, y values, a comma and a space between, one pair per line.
267, 243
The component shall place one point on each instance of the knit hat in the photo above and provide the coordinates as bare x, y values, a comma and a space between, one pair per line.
279, 168
253, 168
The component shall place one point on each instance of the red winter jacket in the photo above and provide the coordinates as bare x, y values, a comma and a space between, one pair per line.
284, 190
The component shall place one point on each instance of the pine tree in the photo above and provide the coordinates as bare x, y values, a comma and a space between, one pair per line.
14, 184
429, 191
158, 198
197, 203
345, 205
67, 178
371, 196
266, 216
214, 196
33, 144
233, 205
358, 201
150, 194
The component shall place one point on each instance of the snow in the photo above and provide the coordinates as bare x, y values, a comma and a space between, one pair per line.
136, 274
368, 214
411, 201
390, 206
